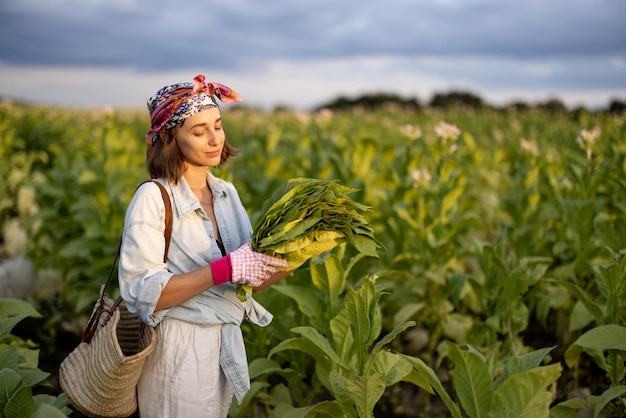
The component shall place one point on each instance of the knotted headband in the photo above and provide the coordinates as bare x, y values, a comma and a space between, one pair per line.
174, 103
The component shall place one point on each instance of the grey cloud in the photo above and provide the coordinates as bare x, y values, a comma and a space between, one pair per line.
167, 35
568, 73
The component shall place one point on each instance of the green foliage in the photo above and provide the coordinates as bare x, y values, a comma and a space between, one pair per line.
521, 390
83, 197
351, 361
512, 224
606, 342
18, 369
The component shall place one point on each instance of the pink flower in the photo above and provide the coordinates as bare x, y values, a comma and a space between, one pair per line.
587, 139
421, 177
529, 147
447, 132
411, 131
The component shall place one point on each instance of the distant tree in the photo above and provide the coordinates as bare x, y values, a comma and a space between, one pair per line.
553, 106
579, 113
371, 101
518, 105
617, 106
456, 98
281, 108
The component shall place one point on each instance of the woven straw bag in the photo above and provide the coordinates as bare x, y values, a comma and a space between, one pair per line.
100, 376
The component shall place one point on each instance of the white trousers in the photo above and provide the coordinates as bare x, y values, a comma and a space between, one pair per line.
182, 377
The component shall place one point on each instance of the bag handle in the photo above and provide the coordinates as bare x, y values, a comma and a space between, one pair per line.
90, 329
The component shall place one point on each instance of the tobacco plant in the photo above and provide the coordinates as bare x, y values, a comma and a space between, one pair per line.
488, 237
521, 388
19, 373
605, 343
355, 365
352, 362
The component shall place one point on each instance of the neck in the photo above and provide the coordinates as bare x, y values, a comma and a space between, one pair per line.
196, 178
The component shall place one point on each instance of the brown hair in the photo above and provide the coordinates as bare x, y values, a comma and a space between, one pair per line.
165, 160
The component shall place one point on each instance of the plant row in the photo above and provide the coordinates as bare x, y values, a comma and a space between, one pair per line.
502, 262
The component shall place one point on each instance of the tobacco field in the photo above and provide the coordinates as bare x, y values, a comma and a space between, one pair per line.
499, 289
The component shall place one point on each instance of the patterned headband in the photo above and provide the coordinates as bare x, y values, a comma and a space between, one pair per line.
174, 103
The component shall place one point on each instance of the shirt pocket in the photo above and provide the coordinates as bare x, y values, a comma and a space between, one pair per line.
191, 246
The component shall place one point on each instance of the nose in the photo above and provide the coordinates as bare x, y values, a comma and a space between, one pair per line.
213, 138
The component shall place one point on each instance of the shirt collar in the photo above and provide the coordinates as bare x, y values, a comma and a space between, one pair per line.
186, 202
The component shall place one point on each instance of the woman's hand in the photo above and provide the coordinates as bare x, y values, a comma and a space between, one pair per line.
246, 266
276, 277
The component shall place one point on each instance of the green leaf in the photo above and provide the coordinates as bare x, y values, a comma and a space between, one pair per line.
309, 217
407, 311
329, 279
21, 404
337, 382
609, 279
450, 200
568, 408
11, 307
256, 388
525, 395
61, 401
29, 357
582, 296
32, 377
579, 317
604, 337
48, 411
457, 326
518, 364
308, 302
260, 366
9, 358
419, 380
391, 336
326, 409
405, 215
492, 360
10, 382
321, 349
343, 340
304, 345
358, 316
321, 342
77, 248
58, 402
7, 324
391, 365
432, 379
607, 396
365, 392
366, 245
472, 382
370, 298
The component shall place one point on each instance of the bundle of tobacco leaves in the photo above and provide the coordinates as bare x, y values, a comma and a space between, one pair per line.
307, 217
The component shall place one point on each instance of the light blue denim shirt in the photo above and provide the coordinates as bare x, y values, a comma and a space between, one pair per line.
143, 274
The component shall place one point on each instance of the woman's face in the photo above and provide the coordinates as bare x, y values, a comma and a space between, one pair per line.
201, 138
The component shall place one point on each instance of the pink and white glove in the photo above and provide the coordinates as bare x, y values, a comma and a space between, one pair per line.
245, 266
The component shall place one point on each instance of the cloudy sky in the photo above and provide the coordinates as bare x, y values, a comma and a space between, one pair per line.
302, 53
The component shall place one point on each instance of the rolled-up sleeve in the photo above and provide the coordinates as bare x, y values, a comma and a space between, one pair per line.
142, 272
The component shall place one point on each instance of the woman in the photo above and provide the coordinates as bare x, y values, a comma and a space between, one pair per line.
199, 361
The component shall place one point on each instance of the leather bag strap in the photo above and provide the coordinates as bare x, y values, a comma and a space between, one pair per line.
90, 329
